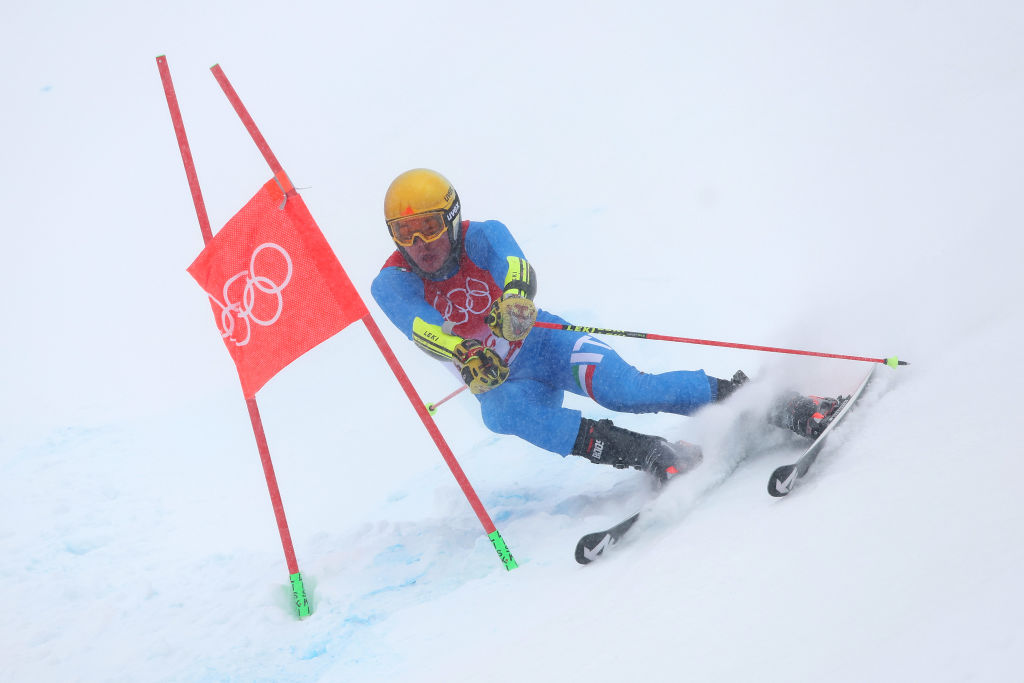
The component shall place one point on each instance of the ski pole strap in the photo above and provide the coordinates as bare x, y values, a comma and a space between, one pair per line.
891, 362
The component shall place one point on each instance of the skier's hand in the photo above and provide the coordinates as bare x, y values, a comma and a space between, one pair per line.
512, 317
481, 368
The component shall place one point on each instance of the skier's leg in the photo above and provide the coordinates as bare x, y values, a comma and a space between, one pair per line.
599, 372
588, 366
532, 411
557, 360
602, 442
585, 365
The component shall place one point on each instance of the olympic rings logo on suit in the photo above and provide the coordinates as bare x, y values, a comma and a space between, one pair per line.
474, 298
232, 311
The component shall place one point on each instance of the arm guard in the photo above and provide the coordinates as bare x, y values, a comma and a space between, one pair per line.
433, 339
520, 280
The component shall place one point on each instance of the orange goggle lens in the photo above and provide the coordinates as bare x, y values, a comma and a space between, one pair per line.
427, 226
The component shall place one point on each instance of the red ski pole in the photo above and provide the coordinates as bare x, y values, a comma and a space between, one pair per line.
891, 362
432, 407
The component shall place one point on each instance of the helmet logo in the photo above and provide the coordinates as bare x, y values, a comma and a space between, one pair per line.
408, 211
452, 212
449, 193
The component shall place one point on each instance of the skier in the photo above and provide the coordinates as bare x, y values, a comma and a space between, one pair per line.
464, 292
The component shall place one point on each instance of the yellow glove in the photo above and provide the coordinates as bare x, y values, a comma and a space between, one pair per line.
481, 368
512, 317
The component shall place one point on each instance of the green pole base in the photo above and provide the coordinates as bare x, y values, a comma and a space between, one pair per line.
503, 552
299, 595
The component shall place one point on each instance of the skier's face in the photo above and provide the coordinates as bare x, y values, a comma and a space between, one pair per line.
429, 256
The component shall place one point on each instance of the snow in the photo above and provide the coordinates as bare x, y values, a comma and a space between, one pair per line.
836, 177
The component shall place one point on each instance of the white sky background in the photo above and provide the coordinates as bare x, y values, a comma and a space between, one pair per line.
817, 175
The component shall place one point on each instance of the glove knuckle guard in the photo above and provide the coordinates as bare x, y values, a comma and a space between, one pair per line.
480, 367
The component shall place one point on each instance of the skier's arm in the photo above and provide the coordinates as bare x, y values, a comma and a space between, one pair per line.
399, 293
493, 247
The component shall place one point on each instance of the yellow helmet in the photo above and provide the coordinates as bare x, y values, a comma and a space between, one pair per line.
419, 191
426, 193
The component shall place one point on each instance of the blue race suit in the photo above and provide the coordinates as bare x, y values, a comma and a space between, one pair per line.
544, 365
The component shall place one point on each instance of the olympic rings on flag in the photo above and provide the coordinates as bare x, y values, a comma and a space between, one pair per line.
232, 311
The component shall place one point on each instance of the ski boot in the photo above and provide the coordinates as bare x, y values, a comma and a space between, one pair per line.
806, 415
602, 442
727, 386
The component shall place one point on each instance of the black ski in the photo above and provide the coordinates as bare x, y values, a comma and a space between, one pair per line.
784, 478
592, 546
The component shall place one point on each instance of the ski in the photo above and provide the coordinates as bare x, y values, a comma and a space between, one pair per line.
592, 546
784, 478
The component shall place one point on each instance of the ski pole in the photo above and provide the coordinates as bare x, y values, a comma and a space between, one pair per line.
891, 362
432, 407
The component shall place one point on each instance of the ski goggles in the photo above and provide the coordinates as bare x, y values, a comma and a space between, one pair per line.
427, 226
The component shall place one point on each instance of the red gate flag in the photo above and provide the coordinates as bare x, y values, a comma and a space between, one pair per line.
276, 287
